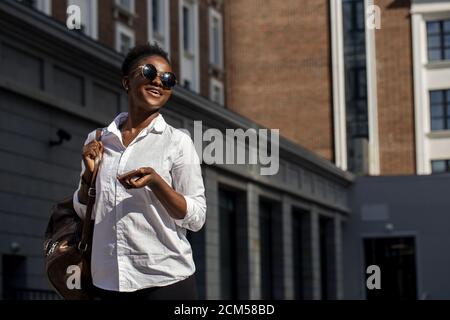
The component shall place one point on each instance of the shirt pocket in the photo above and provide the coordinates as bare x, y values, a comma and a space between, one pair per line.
162, 168
145, 262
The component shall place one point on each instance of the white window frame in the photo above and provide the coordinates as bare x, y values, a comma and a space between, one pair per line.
129, 10
429, 145
123, 29
213, 13
93, 24
162, 39
216, 83
192, 56
339, 110
439, 16
372, 96
338, 74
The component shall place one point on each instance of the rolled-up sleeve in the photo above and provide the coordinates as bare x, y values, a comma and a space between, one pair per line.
187, 180
80, 208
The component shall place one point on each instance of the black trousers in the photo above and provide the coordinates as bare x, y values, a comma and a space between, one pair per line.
182, 290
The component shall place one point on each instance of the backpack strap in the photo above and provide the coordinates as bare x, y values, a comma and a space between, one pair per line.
87, 225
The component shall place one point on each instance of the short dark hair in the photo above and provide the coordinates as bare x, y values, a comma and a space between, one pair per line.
141, 51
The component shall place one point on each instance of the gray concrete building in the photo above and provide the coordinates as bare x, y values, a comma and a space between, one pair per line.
266, 237
401, 224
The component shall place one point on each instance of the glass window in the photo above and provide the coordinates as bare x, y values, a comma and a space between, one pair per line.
436, 97
158, 26
187, 29
217, 94
156, 21
357, 124
434, 41
438, 40
434, 55
125, 43
439, 109
215, 38
447, 40
89, 16
29, 3
187, 84
447, 25
433, 27
215, 44
126, 4
352, 12
437, 124
440, 166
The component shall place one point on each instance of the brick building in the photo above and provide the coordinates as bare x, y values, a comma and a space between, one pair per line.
357, 96
344, 96
266, 237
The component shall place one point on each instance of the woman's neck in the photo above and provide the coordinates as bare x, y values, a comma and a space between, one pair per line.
138, 120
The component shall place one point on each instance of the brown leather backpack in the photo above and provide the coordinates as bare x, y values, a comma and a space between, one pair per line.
68, 245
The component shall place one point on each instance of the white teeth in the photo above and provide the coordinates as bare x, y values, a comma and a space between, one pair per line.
155, 92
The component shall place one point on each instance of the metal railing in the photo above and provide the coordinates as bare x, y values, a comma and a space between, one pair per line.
30, 294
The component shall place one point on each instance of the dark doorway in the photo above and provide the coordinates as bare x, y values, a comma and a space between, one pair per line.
396, 258
327, 260
228, 244
266, 227
14, 275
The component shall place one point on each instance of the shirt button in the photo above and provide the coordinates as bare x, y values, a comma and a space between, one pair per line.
111, 249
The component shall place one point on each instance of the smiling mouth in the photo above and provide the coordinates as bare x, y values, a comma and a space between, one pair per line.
154, 92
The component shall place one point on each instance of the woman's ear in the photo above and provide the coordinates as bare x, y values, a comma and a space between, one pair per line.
126, 83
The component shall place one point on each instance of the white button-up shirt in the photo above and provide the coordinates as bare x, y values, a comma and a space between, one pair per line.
136, 243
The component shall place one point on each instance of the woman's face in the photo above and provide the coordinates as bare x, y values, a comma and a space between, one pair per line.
141, 91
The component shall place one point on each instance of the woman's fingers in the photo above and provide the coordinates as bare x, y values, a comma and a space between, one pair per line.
91, 153
125, 183
136, 178
139, 182
128, 174
97, 149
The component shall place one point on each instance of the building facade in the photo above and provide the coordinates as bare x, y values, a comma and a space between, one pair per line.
430, 24
355, 87
400, 224
266, 237
360, 83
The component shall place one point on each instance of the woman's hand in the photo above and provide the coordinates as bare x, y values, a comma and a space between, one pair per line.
90, 151
138, 178
174, 202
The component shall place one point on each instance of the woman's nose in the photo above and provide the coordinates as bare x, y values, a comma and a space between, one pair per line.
157, 82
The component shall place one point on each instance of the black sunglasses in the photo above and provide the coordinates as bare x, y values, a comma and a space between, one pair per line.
149, 71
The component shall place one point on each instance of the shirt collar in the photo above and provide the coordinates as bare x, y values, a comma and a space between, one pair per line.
157, 125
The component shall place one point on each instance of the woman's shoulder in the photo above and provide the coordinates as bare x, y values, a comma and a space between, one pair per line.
91, 135
180, 135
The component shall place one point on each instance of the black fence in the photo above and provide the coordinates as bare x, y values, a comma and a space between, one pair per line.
30, 294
